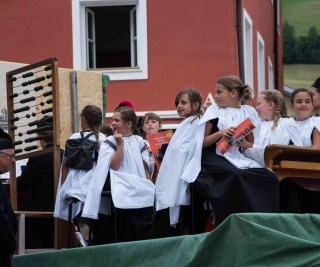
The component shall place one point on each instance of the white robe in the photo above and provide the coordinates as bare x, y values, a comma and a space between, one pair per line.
300, 132
267, 136
76, 185
232, 117
180, 166
129, 187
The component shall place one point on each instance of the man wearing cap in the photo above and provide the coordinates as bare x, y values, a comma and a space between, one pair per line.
315, 90
7, 218
38, 177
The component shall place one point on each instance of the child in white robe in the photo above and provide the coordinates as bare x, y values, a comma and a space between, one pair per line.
232, 182
75, 183
125, 155
271, 108
301, 195
181, 162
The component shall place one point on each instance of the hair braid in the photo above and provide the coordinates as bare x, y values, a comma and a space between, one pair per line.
93, 116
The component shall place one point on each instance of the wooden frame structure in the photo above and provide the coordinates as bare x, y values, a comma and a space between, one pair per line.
293, 161
34, 79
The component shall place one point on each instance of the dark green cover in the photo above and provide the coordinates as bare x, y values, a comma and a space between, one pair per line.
242, 240
105, 81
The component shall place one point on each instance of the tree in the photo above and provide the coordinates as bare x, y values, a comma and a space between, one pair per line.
312, 50
289, 43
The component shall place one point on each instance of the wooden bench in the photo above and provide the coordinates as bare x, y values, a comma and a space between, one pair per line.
293, 161
21, 216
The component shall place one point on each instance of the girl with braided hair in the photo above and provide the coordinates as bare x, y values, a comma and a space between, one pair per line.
233, 182
271, 107
272, 111
75, 183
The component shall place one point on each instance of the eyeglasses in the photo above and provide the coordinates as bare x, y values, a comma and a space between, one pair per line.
9, 155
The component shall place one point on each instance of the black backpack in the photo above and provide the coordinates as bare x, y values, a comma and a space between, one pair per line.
79, 153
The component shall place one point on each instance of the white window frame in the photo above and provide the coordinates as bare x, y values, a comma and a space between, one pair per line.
133, 36
247, 48
79, 38
261, 63
91, 40
270, 74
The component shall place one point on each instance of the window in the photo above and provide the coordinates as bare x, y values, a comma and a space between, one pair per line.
247, 43
111, 36
261, 63
270, 74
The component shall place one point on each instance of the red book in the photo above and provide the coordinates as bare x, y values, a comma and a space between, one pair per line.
241, 131
156, 141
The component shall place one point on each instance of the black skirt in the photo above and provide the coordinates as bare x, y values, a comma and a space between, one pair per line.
233, 190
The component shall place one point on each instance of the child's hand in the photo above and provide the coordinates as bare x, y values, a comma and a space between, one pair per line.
229, 132
244, 144
118, 137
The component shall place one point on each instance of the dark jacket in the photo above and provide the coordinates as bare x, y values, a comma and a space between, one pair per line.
38, 176
7, 228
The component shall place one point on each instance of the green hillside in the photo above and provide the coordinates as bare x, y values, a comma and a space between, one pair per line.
302, 14
300, 75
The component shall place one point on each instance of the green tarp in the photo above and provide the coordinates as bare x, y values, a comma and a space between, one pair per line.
242, 240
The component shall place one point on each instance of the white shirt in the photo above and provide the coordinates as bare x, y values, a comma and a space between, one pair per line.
300, 132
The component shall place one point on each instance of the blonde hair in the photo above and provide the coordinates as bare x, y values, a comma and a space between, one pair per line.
273, 95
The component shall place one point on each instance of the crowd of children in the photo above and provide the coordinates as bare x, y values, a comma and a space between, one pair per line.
150, 201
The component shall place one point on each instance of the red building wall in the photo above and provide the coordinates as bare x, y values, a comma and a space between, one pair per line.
189, 44
35, 30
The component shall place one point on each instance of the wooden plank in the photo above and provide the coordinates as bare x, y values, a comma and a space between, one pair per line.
300, 165
35, 214
297, 173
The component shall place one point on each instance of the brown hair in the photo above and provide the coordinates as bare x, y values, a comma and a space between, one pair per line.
299, 90
151, 116
233, 82
47, 136
128, 114
273, 95
106, 129
148, 116
194, 97
93, 116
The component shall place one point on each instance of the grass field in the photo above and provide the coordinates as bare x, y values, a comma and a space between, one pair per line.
300, 75
302, 14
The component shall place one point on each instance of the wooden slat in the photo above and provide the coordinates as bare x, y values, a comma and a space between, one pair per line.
35, 214
300, 165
